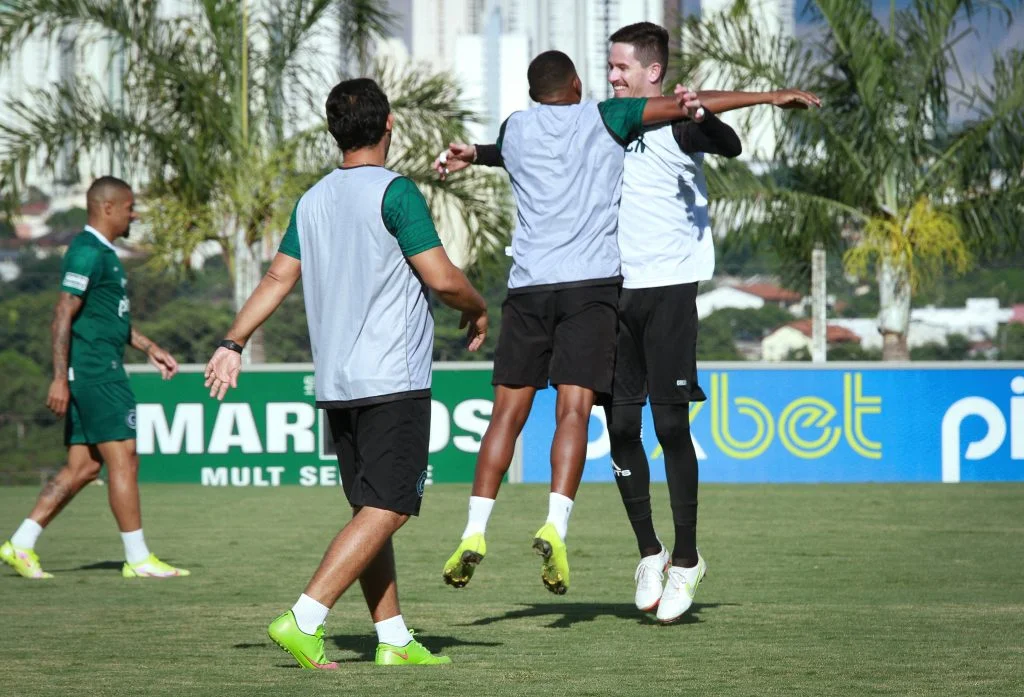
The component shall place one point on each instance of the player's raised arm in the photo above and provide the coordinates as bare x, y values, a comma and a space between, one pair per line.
223, 368
723, 101
683, 105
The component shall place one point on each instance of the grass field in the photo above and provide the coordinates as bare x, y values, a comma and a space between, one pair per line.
812, 590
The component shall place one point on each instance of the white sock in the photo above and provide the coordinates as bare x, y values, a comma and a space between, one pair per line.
27, 534
479, 513
309, 614
559, 508
393, 631
135, 549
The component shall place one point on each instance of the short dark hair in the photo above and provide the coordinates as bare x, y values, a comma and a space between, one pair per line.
105, 189
548, 73
357, 113
649, 42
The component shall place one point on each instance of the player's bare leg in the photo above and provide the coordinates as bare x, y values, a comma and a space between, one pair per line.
123, 490
568, 455
83, 466
511, 408
123, 494
352, 551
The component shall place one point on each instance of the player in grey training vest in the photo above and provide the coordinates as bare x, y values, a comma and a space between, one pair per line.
364, 243
565, 160
666, 245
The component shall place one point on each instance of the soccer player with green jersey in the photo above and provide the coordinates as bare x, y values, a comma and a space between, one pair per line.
91, 325
364, 243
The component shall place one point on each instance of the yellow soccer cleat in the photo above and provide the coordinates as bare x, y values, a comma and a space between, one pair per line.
462, 563
554, 572
151, 567
24, 561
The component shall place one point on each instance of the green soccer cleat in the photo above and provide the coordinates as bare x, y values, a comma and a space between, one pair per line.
24, 561
151, 567
460, 566
307, 649
554, 572
412, 654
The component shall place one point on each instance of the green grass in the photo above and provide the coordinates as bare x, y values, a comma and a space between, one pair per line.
812, 590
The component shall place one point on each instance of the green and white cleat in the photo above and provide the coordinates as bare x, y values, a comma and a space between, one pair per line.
679, 590
24, 561
307, 649
151, 567
554, 572
459, 568
412, 654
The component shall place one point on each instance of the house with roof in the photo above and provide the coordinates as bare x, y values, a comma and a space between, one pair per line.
750, 296
796, 335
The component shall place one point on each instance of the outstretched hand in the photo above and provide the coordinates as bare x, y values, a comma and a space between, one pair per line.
687, 99
457, 156
222, 372
794, 99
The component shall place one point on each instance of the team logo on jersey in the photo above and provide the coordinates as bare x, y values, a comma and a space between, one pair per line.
129, 419
421, 484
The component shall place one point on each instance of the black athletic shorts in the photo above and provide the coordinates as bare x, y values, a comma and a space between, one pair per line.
657, 347
382, 453
565, 336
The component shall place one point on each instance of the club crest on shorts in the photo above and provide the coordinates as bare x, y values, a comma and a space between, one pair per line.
421, 483
129, 419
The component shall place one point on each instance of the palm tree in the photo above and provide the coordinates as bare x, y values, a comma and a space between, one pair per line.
222, 118
885, 170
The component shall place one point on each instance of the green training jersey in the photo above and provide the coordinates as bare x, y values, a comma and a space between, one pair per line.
100, 330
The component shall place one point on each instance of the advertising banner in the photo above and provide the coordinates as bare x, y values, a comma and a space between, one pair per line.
841, 423
854, 422
268, 432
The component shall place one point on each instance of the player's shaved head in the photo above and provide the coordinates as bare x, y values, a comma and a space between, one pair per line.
551, 74
105, 189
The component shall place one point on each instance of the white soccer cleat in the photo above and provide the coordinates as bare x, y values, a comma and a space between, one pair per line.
649, 577
679, 590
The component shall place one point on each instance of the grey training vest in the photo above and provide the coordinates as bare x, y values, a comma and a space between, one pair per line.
370, 324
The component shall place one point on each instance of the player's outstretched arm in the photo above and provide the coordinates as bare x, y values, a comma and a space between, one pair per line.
162, 360
454, 289
458, 156
684, 104
59, 394
223, 368
722, 101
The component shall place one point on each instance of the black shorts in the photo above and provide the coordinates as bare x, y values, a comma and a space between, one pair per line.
657, 351
565, 336
382, 453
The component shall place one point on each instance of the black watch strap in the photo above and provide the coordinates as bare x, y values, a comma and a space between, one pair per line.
229, 344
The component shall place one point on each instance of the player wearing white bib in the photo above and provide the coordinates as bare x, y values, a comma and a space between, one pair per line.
666, 248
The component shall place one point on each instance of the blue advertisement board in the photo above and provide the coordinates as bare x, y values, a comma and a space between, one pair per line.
840, 423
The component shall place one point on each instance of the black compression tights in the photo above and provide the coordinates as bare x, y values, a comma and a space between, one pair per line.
633, 476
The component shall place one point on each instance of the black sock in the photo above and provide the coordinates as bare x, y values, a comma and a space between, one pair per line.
672, 425
632, 473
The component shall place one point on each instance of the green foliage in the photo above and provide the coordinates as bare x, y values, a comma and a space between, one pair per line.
37, 274
7, 231
882, 167
30, 436
206, 323
715, 340
956, 348
1011, 342
70, 220
25, 326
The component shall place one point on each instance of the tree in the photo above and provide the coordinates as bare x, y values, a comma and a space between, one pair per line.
222, 119
883, 168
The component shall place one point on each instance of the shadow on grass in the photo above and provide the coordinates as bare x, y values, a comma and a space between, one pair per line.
365, 646
567, 615
100, 566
